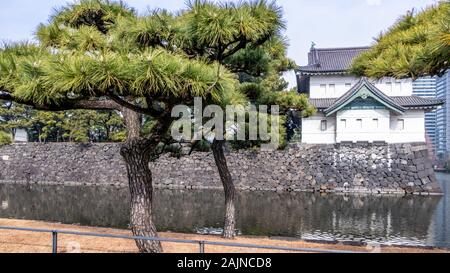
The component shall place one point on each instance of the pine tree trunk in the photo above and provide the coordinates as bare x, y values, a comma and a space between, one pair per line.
136, 153
228, 186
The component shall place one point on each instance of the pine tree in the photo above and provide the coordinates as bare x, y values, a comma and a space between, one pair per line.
100, 55
418, 44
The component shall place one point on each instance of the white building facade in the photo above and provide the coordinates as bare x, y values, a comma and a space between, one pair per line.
351, 109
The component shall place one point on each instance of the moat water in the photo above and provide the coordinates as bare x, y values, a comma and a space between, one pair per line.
410, 220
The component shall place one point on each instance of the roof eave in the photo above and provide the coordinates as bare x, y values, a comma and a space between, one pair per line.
422, 107
315, 73
405, 107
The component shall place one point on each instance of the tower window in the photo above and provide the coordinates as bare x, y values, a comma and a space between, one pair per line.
375, 123
323, 125
398, 87
389, 86
323, 88
332, 88
359, 123
400, 124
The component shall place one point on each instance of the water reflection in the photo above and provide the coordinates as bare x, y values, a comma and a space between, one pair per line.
404, 220
440, 227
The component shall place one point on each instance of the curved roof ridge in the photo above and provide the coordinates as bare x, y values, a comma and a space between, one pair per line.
341, 48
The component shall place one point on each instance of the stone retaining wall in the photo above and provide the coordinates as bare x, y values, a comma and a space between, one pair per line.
364, 168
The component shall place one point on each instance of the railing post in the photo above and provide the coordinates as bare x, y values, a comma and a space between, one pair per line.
54, 241
202, 246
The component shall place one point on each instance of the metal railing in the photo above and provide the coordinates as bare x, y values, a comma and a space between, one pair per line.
200, 243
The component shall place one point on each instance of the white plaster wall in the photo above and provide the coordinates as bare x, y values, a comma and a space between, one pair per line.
316, 91
387, 129
312, 133
320, 86
363, 125
414, 129
395, 87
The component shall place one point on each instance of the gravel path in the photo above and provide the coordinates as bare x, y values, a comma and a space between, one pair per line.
19, 241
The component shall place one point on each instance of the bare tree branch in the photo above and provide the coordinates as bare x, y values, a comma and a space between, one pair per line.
122, 102
241, 45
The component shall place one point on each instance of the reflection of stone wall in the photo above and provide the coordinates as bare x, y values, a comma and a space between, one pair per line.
85, 205
351, 168
305, 215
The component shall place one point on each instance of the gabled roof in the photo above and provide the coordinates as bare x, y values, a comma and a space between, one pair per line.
364, 89
330, 60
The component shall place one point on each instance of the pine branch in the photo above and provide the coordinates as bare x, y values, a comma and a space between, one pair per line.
69, 104
122, 102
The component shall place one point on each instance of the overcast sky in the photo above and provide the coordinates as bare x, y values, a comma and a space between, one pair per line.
328, 23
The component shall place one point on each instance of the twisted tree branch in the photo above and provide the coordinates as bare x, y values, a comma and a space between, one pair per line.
146, 111
68, 104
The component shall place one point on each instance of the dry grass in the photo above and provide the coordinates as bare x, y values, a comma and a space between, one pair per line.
31, 242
